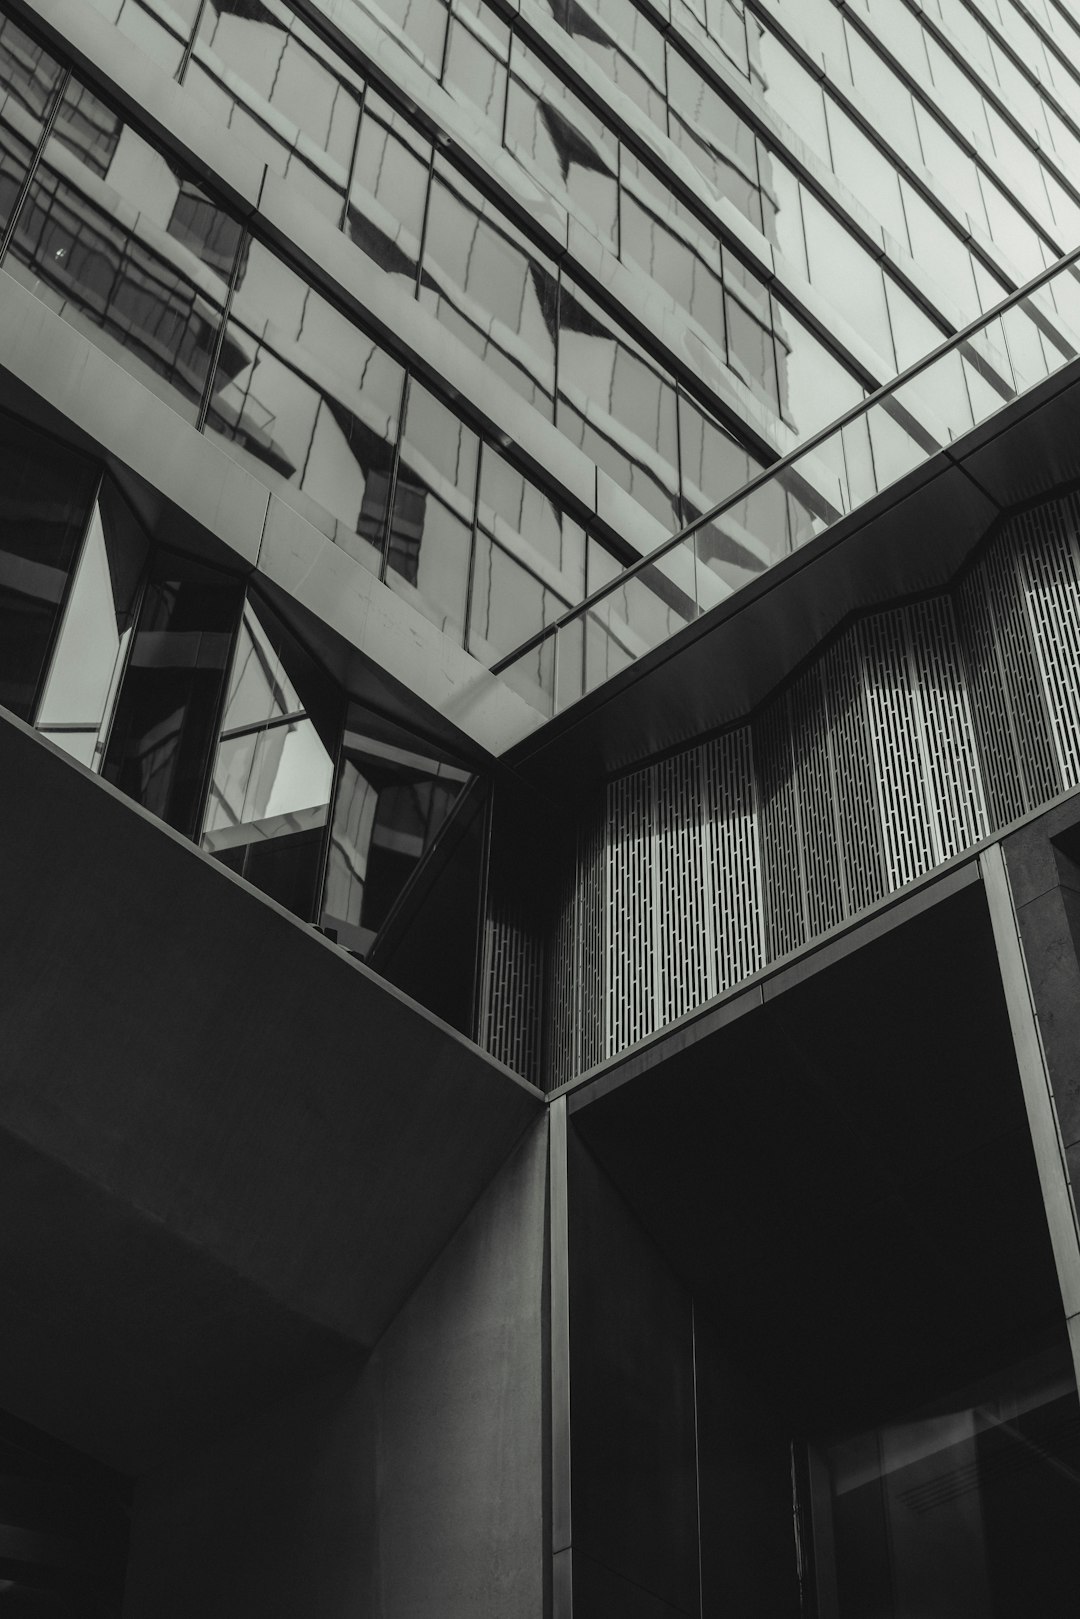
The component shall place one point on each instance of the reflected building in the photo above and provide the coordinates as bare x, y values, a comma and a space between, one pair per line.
539, 630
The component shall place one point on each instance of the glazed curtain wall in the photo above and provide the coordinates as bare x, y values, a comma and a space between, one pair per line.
182, 687
913, 734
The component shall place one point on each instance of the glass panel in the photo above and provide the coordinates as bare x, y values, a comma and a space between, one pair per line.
392, 796
46, 493
128, 249
844, 271
642, 613
167, 712
714, 466
663, 239
563, 143
714, 137
489, 287
866, 170
751, 352
309, 403
92, 646
781, 196
270, 791
160, 28
530, 562
883, 90
815, 388
29, 79
389, 189
475, 67
793, 93
627, 46
420, 25
261, 72
434, 505
960, 1510
617, 406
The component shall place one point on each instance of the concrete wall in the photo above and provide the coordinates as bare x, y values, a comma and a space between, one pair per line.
413, 1490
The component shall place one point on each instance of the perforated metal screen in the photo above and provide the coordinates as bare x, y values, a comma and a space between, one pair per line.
915, 732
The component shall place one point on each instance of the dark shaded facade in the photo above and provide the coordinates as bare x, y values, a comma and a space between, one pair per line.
540, 669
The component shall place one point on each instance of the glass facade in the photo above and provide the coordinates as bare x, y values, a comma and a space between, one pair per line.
182, 687
565, 321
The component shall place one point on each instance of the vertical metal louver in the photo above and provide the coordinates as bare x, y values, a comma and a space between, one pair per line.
729, 804
1048, 566
918, 730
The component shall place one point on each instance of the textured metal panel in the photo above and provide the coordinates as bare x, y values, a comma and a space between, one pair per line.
952, 782
631, 956
980, 606
595, 927
915, 733
730, 808
823, 873
1048, 561
895, 720
577, 962
780, 830
1023, 687
683, 870
861, 838
514, 987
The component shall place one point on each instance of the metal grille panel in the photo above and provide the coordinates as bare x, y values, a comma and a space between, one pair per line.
856, 792
630, 935
1048, 564
895, 721
812, 753
683, 871
914, 733
979, 609
514, 987
780, 831
730, 808
952, 784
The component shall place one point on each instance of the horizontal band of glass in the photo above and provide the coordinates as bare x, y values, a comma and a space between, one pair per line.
935, 402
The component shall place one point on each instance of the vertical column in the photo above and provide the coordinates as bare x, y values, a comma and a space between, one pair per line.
1041, 979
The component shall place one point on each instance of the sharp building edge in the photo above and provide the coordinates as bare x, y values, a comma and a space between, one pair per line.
539, 808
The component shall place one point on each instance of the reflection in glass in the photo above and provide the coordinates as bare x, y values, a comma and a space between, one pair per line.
627, 46
91, 648
963, 1510
420, 25
475, 68
259, 70
714, 467
46, 493
385, 216
663, 238
815, 388
392, 796
617, 405
529, 566
310, 402
563, 143
716, 139
491, 288
29, 78
270, 789
167, 712
127, 248
161, 31
434, 506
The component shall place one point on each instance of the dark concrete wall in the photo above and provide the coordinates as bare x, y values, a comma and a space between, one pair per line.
241, 1148
633, 1485
412, 1491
